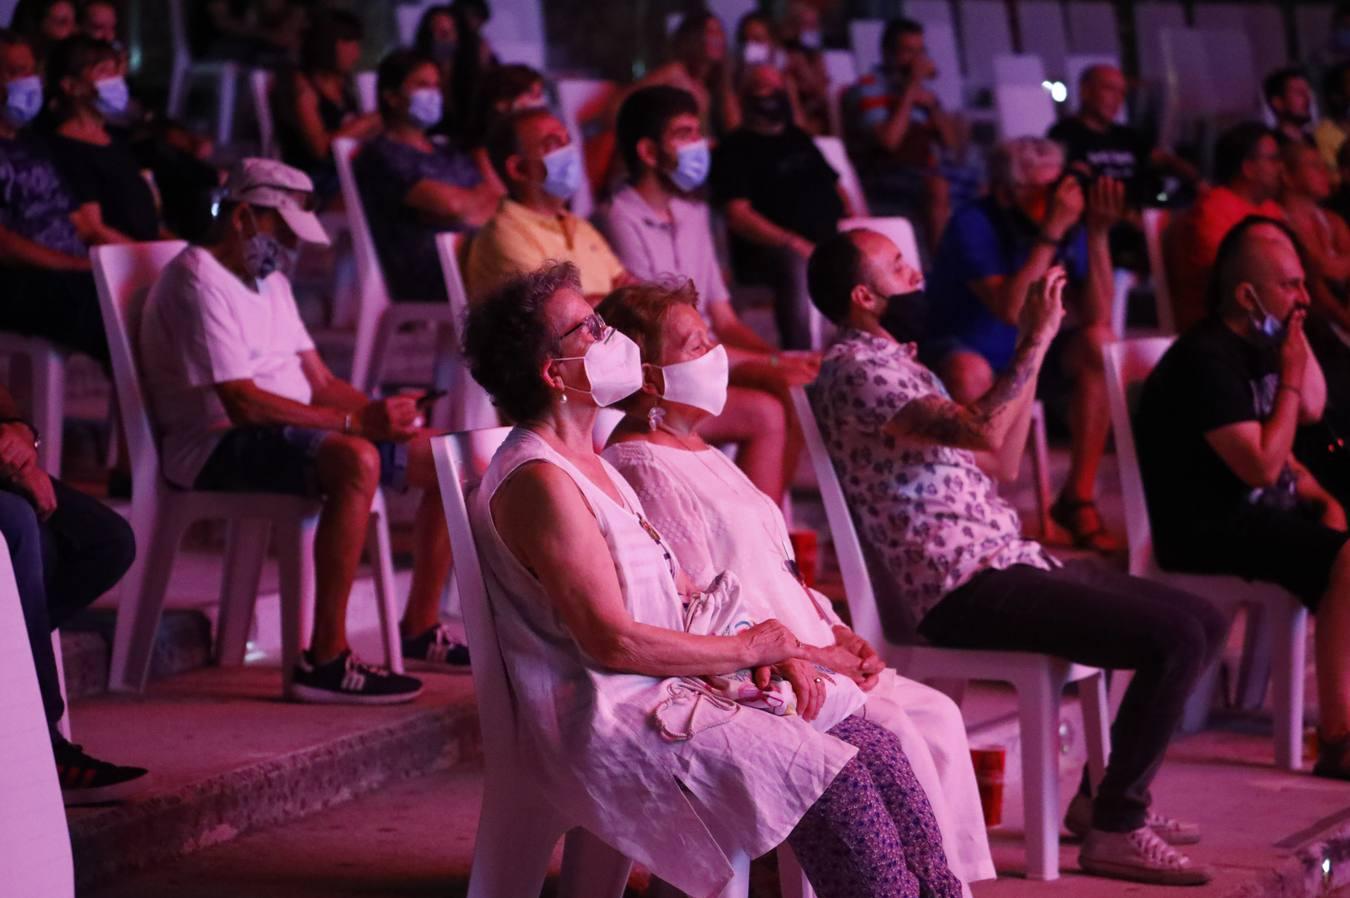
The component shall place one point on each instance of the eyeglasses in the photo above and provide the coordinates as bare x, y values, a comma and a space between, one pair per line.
594, 325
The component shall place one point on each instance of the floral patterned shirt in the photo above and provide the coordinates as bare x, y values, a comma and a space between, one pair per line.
927, 512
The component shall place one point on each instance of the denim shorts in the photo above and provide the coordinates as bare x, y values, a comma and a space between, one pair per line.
280, 458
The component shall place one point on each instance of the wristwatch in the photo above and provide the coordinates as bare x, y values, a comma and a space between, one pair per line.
37, 437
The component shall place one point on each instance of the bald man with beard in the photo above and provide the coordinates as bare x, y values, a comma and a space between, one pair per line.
1215, 430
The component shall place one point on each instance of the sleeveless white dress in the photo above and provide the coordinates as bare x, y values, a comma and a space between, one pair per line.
679, 808
717, 520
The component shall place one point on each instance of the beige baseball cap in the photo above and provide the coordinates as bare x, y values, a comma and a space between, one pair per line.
275, 185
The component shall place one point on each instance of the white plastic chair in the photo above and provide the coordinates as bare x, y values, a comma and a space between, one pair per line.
832, 148
378, 318
47, 383
1093, 28
260, 88
160, 513
1023, 110
406, 18
1038, 679
864, 39
985, 33
34, 837
62, 725
185, 68
521, 52
843, 73
1044, 33
1156, 223
516, 834
1128, 364
576, 97
366, 99
1150, 19
1262, 23
1019, 68
470, 406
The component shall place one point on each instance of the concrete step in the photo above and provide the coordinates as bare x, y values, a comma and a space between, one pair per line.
1266, 833
182, 644
228, 757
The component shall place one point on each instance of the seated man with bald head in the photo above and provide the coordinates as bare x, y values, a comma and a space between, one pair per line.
1215, 431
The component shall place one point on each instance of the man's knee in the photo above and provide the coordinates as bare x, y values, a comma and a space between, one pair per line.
350, 463
967, 375
1089, 349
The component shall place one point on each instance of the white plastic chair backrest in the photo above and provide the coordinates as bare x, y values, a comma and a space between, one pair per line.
832, 148
1150, 19
842, 70
366, 99
985, 33
930, 12
1019, 68
1024, 110
730, 12
899, 230
1232, 72
123, 275
949, 85
862, 603
372, 293
864, 39
1092, 27
1156, 223
1262, 23
407, 16
472, 408
1312, 21
1078, 63
579, 101
1128, 364
34, 836
178, 31
530, 53
1188, 91
461, 459
1043, 33
260, 86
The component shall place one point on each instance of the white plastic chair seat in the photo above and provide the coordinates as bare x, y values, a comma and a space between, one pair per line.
47, 366
260, 90
1038, 679
1277, 624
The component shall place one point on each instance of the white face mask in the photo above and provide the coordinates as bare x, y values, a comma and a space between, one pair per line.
699, 383
613, 366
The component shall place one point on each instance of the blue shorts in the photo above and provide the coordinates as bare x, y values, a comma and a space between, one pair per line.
280, 458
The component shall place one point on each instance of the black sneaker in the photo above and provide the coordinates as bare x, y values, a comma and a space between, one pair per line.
1333, 758
348, 681
86, 780
436, 649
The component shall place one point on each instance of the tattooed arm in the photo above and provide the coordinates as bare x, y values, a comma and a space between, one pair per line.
987, 424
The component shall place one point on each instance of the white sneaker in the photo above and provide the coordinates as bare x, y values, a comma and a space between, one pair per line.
1140, 856
1078, 821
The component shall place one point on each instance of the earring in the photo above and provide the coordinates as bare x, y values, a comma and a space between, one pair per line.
654, 416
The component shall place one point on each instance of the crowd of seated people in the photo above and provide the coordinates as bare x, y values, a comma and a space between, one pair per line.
618, 578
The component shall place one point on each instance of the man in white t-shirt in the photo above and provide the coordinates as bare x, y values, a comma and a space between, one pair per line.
243, 402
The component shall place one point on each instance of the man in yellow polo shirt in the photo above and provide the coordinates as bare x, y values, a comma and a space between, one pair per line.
541, 168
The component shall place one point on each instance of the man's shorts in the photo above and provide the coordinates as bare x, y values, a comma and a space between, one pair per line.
1288, 547
281, 459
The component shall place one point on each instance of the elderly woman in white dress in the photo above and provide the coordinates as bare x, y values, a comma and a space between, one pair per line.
716, 520
666, 723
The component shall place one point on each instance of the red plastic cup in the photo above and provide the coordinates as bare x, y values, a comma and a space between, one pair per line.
989, 764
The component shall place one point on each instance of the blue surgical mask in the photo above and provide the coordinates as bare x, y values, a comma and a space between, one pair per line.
1266, 324
112, 96
264, 255
692, 162
425, 107
562, 169
23, 100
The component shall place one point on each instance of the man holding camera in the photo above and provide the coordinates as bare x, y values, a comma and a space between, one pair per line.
1034, 217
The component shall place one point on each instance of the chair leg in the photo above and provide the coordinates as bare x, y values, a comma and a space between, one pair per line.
225, 92
1257, 648
62, 725
1040, 468
792, 882
739, 886
1196, 716
49, 402
592, 869
178, 81
142, 602
1038, 710
295, 566
1290, 634
382, 560
514, 844
244, 556
1096, 708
